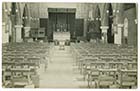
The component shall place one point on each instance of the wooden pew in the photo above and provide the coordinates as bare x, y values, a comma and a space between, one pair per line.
114, 56
107, 77
128, 78
17, 57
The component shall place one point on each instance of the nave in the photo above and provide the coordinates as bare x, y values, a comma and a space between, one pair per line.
60, 72
54, 69
81, 65
69, 45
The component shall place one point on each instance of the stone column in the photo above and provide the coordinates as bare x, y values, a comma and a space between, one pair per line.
85, 27
18, 33
118, 35
13, 35
115, 33
104, 33
5, 34
27, 31
136, 20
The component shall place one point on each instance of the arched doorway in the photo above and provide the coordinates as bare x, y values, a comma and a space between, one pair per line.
110, 35
125, 32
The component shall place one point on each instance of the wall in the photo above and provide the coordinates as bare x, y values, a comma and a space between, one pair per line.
61, 5
6, 23
5, 35
130, 14
44, 24
79, 27
43, 7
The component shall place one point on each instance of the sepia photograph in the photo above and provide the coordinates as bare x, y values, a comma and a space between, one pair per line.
69, 45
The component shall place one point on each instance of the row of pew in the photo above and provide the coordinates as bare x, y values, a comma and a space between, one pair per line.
20, 62
106, 66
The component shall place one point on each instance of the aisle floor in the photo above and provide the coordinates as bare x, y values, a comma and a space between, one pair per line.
61, 72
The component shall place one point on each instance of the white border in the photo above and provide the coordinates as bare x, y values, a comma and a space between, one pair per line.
94, 1
88, 1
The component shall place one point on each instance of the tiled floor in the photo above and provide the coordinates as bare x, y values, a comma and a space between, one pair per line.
61, 72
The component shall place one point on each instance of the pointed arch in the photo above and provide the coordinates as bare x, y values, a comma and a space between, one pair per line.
97, 10
110, 22
18, 14
104, 15
15, 13
26, 16
98, 22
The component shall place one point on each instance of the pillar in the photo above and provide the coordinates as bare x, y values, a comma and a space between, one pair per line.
104, 33
85, 27
27, 32
5, 34
118, 35
18, 33
13, 35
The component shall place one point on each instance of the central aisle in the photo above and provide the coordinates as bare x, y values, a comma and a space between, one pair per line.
60, 72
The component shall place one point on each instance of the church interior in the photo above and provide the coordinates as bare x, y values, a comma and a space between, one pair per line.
69, 45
